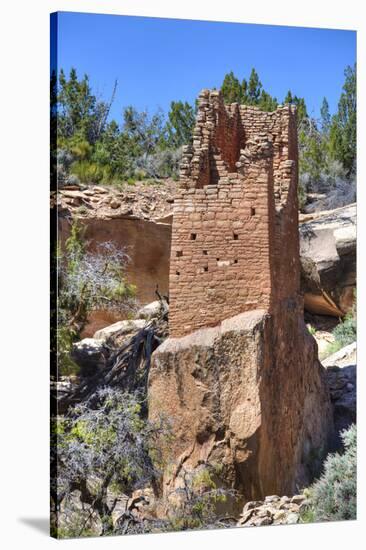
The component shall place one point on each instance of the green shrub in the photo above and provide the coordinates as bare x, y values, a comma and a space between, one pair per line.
344, 334
77, 146
83, 210
334, 496
104, 444
90, 172
66, 336
331, 348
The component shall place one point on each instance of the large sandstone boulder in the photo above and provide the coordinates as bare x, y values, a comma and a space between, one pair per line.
328, 258
119, 329
150, 311
90, 354
243, 395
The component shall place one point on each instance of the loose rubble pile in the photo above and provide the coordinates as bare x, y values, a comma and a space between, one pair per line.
274, 510
141, 200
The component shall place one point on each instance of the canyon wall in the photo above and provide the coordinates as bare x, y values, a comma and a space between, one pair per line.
148, 245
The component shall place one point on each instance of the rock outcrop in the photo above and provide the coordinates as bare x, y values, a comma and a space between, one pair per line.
242, 396
145, 201
150, 310
90, 355
136, 218
328, 257
121, 328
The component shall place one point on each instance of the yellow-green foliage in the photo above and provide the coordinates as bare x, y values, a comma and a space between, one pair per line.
78, 146
90, 172
122, 290
345, 333
75, 246
202, 480
199, 507
311, 329
65, 337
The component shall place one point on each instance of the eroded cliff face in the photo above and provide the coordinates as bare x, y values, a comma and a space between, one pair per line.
146, 242
148, 245
328, 257
136, 219
241, 395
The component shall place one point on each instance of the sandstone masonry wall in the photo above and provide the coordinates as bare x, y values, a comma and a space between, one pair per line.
239, 376
234, 236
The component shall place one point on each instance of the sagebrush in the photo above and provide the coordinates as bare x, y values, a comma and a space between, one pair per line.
334, 496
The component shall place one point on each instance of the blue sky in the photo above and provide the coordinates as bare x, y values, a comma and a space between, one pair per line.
159, 60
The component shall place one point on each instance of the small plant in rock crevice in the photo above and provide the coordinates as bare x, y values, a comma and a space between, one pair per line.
198, 500
311, 329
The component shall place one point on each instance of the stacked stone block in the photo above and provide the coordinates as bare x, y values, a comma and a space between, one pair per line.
234, 237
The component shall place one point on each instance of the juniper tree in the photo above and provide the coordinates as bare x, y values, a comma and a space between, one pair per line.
325, 116
231, 89
181, 120
254, 88
343, 131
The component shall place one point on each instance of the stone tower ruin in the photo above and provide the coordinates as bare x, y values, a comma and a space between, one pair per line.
239, 376
234, 238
